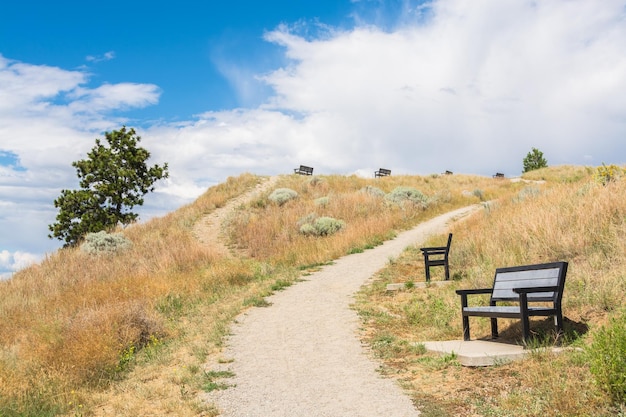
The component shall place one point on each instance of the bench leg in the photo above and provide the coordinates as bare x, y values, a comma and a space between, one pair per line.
427, 271
526, 329
447, 271
558, 322
466, 329
494, 328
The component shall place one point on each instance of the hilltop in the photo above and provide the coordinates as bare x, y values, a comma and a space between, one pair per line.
131, 333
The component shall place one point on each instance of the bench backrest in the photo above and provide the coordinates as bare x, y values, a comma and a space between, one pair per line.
383, 171
305, 168
530, 276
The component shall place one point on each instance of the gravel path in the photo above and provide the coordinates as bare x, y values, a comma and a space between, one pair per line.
301, 356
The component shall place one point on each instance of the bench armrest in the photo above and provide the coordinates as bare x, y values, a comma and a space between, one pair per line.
465, 293
475, 291
535, 289
439, 249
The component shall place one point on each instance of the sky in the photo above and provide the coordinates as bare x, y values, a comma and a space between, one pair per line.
219, 88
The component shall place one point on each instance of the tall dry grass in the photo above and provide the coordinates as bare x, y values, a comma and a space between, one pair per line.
114, 333
271, 232
75, 320
570, 218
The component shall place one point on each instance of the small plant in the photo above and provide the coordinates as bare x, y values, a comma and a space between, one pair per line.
373, 191
210, 383
104, 243
322, 226
528, 192
607, 358
401, 195
281, 195
479, 193
322, 202
607, 174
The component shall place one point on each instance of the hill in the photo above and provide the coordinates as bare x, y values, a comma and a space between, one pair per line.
128, 332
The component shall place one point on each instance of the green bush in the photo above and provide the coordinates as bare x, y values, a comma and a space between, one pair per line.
606, 174
281, 195
104, 243
607, 358
322, 226
401, 195
322, 201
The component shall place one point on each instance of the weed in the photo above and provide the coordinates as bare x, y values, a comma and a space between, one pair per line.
607, 357
210, 382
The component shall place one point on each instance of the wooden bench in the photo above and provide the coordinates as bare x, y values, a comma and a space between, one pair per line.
448, 172
382, 172
437, 256
303, 170
498, 175
521, 286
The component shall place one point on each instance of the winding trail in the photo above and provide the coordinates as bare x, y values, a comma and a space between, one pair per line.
302, 356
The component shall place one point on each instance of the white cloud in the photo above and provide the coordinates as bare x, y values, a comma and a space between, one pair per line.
12, 262
464, 86
107, 56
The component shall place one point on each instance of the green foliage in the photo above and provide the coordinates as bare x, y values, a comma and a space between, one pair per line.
607, 358
534, 160
113, 179
606, 174
322, 201
320, 226
402, 195
104, 243
281, 195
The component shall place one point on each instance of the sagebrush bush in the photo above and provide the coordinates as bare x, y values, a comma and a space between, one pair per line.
322, 226
281, 195
373, 191
607, 358
401, 195
322, 201
104, 243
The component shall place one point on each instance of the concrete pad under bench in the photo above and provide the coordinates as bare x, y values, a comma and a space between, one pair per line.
480, 352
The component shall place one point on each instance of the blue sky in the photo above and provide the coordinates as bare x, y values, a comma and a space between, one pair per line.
220, 88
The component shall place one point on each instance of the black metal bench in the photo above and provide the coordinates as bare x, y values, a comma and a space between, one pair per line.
498, 175
437, 256
382, 172
520, 285
303, 170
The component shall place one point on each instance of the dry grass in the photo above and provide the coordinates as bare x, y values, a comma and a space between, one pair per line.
568, 219
128, 334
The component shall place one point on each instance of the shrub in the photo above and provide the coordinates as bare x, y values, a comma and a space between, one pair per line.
322, 201
103, 242
373, 191
607, 358
479, 193
322, 226
402, 195
606, 174
281, 195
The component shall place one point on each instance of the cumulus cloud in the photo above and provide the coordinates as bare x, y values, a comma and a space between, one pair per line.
11, 262
49, 117
454, 85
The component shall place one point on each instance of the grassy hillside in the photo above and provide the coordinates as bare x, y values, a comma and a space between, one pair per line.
128, 333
